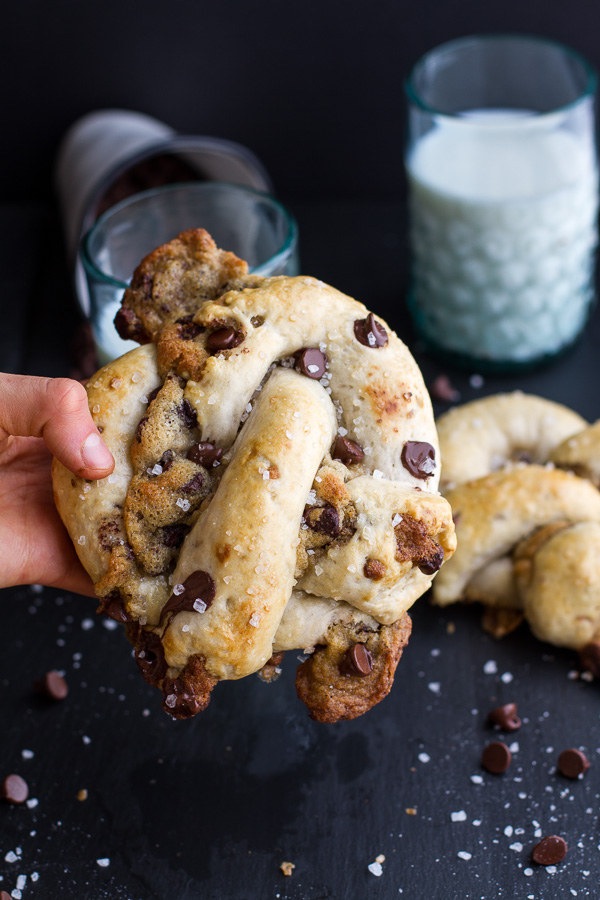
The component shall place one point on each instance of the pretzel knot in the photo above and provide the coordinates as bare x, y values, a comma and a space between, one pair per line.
275, 484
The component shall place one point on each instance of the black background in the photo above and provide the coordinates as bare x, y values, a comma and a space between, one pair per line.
211, 807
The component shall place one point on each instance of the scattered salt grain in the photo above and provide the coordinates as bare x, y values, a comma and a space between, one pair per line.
87, 624
477, 779
464, 854
506, 677
178, 589
27, 754
254, 620
182, 503
156, 469
135, 377
424, 757
396, 520
375, 868
199, 605
459, 816
103, 862
490, 667
81, 540
434, 687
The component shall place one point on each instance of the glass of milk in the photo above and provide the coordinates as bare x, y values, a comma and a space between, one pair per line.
502, 175
252, 224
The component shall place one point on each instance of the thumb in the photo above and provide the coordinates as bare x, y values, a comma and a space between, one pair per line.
55, 409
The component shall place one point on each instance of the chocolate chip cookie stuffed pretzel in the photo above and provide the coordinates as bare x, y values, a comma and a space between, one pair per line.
274, 488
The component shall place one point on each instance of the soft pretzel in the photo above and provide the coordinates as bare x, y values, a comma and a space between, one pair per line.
275, 484
484, 435
580, 453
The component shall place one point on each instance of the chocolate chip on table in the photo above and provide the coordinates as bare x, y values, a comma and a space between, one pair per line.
14, 789
589, 658
550, 850
310, 361
347, 451
225, 338
198, 589
505, 717
370, 332
204, 453
572, 763
418, 457
53, 686
357, 660
496, 758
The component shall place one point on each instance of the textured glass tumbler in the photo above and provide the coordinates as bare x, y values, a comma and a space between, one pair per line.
251, 224
502, 176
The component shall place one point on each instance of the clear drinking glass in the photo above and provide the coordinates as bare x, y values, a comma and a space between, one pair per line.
502, 174
252, 224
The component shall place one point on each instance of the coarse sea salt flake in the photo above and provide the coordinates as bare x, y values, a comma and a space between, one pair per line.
397, 519
490, 667
375, 868
81, 540
199, 605
254, 620
103, 862
156, 469
464, 854
182, 503
458, 816
178, 589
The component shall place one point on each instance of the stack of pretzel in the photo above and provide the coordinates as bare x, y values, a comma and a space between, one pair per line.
275, 485
522, 475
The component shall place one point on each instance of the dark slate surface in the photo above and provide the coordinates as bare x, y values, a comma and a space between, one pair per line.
210, 808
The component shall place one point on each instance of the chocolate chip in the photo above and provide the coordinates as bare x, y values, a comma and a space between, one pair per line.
139, 429
166, 460
347, 451
496, 758
257, 321
129, 326
53, 686
14, 789
370, 332
204, 453
194, 485
225, 338
589, 658
187, 414
323, 519
357, 660
374, 569
150, 657
197, 589
550, 850
113, 606
310, 361
505, 717
174, 535
432, 562
572, 763
418, 457
179, 701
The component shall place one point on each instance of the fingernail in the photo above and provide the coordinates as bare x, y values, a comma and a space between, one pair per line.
95, 453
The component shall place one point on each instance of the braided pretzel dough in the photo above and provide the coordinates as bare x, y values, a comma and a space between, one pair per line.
484, 435
275, 484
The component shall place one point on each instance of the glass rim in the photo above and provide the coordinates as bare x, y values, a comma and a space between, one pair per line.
589, 90
196, 187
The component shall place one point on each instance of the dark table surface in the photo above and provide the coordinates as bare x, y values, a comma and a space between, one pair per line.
126, 803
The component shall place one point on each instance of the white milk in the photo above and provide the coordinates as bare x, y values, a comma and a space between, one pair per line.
503, 231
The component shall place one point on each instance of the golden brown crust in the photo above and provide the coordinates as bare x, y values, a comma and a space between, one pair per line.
330, 684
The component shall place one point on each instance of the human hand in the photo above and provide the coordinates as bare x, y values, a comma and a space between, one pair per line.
41, 418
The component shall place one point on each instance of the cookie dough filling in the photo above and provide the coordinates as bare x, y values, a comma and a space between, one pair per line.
275, 484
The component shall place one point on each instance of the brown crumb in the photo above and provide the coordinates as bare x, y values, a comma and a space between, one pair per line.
287, 868
411, 810
82, 794
450, 628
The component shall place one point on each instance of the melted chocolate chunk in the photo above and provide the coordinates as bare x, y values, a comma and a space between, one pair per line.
130, 327
357, 661
188, 329
496, 758
187, 413
174, 535
418, 457
550, 850
150, 657
347, 451
572, 763
505, 717
310, 361
197, 591
225, 338
370, 332
204, 453
431, 563
194, 485
323, 519
166, 460
112, 606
